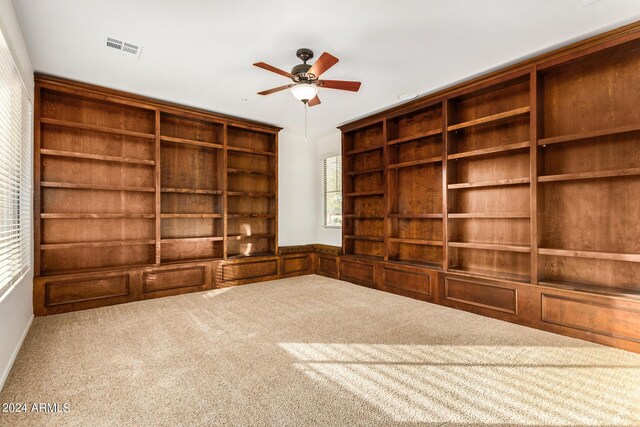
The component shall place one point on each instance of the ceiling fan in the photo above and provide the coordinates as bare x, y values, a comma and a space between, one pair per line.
305, 77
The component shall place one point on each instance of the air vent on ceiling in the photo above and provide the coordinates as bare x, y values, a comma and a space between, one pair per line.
116, 44
124, 48
130, 48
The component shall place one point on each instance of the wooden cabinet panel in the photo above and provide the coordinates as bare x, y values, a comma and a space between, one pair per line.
249, 271
327, 265
412, 280
357, 272
70, 291
59, 294
176, 280
484, 295
607, 317
295, 265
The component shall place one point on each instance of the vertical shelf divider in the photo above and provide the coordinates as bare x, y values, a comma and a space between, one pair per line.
445, 179
225, 180
533, 171
158, 199
386, 225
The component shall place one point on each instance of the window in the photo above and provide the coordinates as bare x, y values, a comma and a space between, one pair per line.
332, 191
15, 172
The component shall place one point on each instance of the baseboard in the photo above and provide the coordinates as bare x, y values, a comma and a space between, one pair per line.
16, 350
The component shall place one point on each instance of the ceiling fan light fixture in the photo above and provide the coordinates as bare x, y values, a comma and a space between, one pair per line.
304, 91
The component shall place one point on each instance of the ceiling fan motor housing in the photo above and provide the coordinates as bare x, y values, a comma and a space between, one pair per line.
300, 71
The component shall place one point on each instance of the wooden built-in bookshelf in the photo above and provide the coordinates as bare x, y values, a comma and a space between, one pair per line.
123, 182
530, 176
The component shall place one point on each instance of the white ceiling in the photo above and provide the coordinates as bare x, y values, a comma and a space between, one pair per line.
199, 52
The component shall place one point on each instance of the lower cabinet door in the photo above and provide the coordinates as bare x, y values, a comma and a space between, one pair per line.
60, 294
241, 272
358, 272
327, 265
296, 265
174, 280
494, 299
417, 283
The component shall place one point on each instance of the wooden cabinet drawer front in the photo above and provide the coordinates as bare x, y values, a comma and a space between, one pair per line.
162, 280
85, 289
599, 317
293, 265
360, 273
490, 296
327, 266
412, 281
249, 270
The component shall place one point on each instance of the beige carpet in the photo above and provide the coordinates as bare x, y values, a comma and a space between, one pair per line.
313, 351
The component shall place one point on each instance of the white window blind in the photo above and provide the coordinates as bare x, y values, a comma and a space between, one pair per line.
15, 172
332, 191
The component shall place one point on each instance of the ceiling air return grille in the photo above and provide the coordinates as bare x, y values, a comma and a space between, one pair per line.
116, 44
124, 48
130, 48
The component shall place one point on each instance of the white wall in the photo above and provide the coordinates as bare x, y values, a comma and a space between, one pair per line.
16, 307
326, 146
297, 204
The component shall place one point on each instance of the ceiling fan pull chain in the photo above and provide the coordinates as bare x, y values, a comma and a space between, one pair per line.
305, 122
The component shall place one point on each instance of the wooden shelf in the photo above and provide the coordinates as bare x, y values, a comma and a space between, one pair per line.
590, 175
250, 151
95, 128
489, 215
368, 238
364, 172
234, 216
490, 151
415, 241
192, 239
412, 263
249, 194
491, 247
363, 257
191, 142
491, 119
364, 150
611, 256
437, 159
415, 137
252, 236
593, 289
54, 246
352, 216
498, 183
490, 274
192, 215
95, 216
235, 171
74, 186
254, 255
189, 191
77, 155
589, 135
365, 194
416, 216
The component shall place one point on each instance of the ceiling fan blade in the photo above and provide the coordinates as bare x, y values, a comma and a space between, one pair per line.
314, 101
275, 89
323, 63
340, 85
271, 68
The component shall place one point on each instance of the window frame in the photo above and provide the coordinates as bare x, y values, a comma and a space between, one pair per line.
323, 163
17, 138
